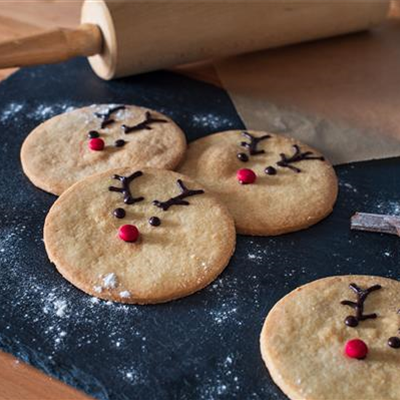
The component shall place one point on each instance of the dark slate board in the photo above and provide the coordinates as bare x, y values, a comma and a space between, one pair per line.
201, 347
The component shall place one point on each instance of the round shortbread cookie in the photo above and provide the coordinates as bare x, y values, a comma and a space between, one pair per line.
61, 151
284, 198
303, 341
186, 238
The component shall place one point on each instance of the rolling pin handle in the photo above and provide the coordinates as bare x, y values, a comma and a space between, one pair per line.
51, 46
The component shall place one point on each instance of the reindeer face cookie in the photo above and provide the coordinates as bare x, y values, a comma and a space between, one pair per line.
336, 338
139, 236
80, 143
270, 183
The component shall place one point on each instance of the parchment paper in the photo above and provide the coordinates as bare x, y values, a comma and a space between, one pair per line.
339, 95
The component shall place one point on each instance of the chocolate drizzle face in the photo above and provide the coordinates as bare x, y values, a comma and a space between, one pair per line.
144, 124
107, 122
106, 115
178, 200
125, 190
285, 161
254, 141
362, 294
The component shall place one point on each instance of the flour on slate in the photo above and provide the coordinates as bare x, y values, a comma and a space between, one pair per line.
390, 207
43, 112
13, 111
10, 111
52, 309
225, 381
211, 121
55, 305
131, 375
347, 186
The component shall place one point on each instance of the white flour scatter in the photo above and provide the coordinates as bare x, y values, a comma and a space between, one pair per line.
122, 115
390, 207
13, 111
10, 112
257, 257
211, 121
225, 309
225, 381
125, 294
226, 312
110, 281
60, 337
55, 305
258, 254
131, 375
46, 111
60, 307
9, 238
97, 289
347, 186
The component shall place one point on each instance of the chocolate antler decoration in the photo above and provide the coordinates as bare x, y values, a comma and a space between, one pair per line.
178, 200
296, 157
252, 146
125, 190
362, 295
105, 116
144, 124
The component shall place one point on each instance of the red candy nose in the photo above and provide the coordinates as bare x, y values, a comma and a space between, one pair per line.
128, 233
245, 176
356, 348
96, 144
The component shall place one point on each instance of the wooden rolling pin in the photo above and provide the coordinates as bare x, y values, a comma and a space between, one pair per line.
123, 37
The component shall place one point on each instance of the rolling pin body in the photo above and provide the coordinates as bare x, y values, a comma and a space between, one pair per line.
123, 37
141, 36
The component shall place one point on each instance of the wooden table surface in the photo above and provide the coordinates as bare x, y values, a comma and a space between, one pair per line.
19, 381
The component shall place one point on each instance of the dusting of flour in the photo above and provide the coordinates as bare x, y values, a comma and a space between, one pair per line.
13, 111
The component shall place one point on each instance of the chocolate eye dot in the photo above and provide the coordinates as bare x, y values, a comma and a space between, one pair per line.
93, 134
119, 143
119, 213
351, 321
394, 342
242, 157
270, 170
155, 221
